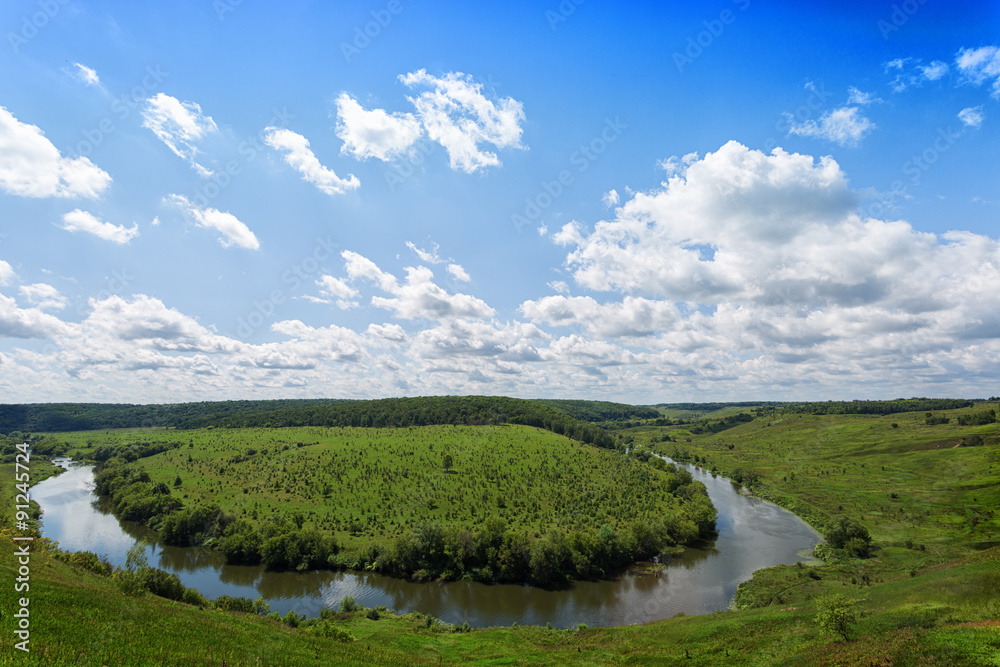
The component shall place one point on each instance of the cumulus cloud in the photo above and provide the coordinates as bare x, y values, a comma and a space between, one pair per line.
31, 166
764, 256
300, 157
972, 116
375, 133
233, 231
179, 125
335, 290
634, 316
6, 272
16, 322
82, 221
980, 66
845, 126
43, 296
418, 297
456, 114
610, 198
459, 273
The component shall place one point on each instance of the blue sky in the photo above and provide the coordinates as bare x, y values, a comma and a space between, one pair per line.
649, 202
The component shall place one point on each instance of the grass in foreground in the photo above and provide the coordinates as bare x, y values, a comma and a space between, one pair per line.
945, 616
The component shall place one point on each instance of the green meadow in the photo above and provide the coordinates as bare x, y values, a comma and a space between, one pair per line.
928, 492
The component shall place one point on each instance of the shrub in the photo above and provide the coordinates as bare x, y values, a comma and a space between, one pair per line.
194, 597
229, 603
836, 615
847, 534
349, 605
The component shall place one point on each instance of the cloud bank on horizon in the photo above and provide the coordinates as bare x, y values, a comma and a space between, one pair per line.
365, 246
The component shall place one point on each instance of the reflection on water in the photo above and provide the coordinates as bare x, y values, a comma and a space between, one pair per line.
752, 534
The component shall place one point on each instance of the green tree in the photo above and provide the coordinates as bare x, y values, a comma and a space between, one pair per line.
847, 534
836, 615
448, 462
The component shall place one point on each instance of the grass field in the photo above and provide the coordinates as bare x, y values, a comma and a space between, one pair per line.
945, 616
364, 484
928, 596
902, 478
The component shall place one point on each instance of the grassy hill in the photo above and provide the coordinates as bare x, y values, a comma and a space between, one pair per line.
944, 616
926, 490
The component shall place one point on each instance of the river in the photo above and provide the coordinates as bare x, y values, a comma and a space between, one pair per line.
752, 534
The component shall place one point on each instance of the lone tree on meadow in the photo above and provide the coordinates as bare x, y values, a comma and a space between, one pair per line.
448, 462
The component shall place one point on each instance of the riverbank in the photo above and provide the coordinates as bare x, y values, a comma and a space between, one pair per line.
942, 617
702, 579
493, 504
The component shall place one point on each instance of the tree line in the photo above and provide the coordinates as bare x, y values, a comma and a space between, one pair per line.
424, 411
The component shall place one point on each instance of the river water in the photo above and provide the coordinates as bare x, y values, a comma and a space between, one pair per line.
752, 534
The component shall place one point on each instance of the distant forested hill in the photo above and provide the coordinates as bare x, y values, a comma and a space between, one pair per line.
421, 411
878, 407
600, 411
92, 416
388, 412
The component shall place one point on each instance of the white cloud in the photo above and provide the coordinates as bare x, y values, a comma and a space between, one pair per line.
610, 198
31, 166
972, 116
179, 125
43, 296
861, 98
18, 322
911, 72
845, 126
456, 114
935, 70
431, 257
87, 75
358, 266
336, 290
418, 297
458, 273
302, 159
82, 221
374, 133
981, 65
6, 272
559, 286
633, 316
233, 231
